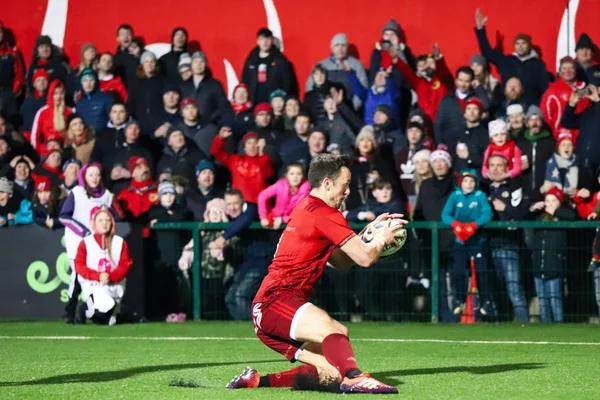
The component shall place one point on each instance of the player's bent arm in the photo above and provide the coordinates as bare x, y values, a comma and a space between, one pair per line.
340, 260
361, 253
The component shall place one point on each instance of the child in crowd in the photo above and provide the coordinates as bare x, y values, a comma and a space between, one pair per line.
466, 210
167, 210
277, 99
46, 204
340, 133
216, 267
14, 210
23, 183
383, 201
102, 263
550, 254
415, 134
562, 171
502, 144
288, 192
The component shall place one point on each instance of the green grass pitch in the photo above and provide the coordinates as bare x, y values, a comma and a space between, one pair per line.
424, 361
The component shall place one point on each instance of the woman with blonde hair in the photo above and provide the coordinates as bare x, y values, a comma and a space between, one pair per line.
50, 120
102, 263
80, 139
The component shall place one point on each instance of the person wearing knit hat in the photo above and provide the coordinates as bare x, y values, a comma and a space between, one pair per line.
188, 101
562, 169
534, 111
584, 55
440, 153
46, 56
584, 42
41, 73
391, 26
340, 39
386, 109
524, 63
184, 66
141, 193
422, 155
263, 107
13, 212
514, 109
502, 144
6, 185
93, 104
478, 59
277, 99
473, 100
166, 187
204, 164
367, 132
135, 162
199, 54
147, 55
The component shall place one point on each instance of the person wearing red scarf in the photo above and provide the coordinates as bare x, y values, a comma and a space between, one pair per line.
50, 167
241, 102
142, 193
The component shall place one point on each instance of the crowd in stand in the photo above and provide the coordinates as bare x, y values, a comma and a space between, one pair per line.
156, 139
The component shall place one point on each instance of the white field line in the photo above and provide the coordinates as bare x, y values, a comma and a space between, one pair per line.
217, 338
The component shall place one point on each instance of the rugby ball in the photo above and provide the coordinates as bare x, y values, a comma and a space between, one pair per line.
389, 249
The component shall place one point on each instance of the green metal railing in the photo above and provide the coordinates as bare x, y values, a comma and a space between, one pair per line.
434, 227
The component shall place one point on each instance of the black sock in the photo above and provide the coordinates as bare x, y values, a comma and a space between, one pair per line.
352, 373
264, 381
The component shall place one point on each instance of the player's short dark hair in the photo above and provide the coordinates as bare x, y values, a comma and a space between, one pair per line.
235, 192
126, 27
326, 166
264, 32
466, 70
381, 183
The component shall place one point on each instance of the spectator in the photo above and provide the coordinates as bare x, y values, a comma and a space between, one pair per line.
431, 83
433, 192
88, 60
117, 175
317, 143
513, 96
418, 115
388, 137
178, 157
242, 107
524, 63
208, 92
6, 153
102, 263
292, 109
19, 171
537, 146
166, 208
80, 140
137, 48
146, 92
34, 100
315, 97
46, 205
70, 172
588, 141
111, 137
584, 55
341, 135
509, 204
266, 69
556, 98
93, 105
516, 120
483, 77
466, 211
126, 64
17, 141
340, 67
249, 172
296, 148
184, 67
405, 162
561, 169
142, 194
51, 166
46, 56
449, 121
200, 194
51, 119
269, 139
169, 63
277, 101
472, 143
288, 192
202, 134
502, 144
110, 83
75, 216
12, 80
14, 210
381, 201
167, 116
367, 166
550, 254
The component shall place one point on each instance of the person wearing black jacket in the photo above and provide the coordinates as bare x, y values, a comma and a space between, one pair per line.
314, 99
125, 63
208, 92
509, 204
267, 69
145, 91
204, 191
169, 63
474, 140
113, 136
178, 158
46, 56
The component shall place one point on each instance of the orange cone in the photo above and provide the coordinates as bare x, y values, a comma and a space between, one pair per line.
468, 316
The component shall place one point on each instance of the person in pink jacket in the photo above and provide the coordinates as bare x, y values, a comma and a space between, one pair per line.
501, 144
288, 191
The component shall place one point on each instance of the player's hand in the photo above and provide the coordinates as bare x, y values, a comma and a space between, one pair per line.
277, 221
386, 216
104, 278
386, 234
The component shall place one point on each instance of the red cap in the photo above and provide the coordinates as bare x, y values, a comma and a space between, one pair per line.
42, 183
564, 134
41, 73
134, 162
262, 107
249, 135
186, 102
560, 195
472, 100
